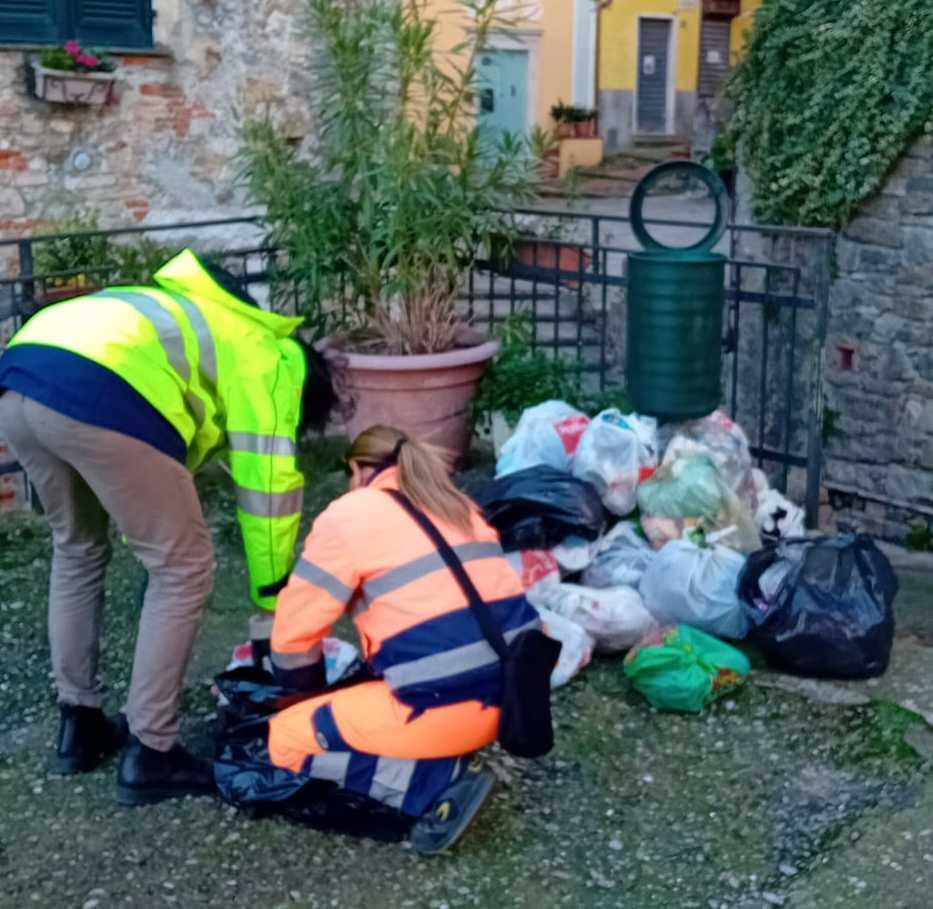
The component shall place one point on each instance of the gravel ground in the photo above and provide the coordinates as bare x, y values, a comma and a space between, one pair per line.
769, 799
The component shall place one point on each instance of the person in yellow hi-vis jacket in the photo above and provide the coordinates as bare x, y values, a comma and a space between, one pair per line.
110, 402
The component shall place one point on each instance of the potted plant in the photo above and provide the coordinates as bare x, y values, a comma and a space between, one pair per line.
72, 75
721, 158
380, 227
584, 122
561, 114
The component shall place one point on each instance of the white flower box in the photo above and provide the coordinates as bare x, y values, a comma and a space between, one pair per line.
64, 87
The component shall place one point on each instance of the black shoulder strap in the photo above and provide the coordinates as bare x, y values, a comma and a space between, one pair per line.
480, 610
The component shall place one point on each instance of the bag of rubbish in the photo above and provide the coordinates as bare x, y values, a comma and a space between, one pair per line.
690, 490
779, 519
246, 778
576, 646
574, 554
683, 669
696, 585
548, 433
725, 443
822, 607
540, 507
622, 557
615, 618
615, 454
534, 567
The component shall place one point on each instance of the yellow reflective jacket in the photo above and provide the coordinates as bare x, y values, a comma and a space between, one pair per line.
226, 375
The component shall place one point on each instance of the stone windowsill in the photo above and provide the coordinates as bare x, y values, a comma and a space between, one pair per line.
160, 50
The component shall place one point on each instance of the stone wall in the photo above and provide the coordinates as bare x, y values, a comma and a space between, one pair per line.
166, 149
879, 356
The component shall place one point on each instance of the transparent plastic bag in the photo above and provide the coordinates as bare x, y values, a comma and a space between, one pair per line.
779, 519
693, 585
574, 554
621, 559
615, 454
690, 492
548, 433
725, 443
615, 617
576, 646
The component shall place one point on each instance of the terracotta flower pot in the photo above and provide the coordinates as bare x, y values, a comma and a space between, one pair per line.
585, 129
426, 395
566, 130
550, 258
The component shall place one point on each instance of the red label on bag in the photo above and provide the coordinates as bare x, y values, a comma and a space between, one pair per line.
646, 473
570, 431
536, 566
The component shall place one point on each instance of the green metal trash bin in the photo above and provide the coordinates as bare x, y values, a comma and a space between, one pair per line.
674, 310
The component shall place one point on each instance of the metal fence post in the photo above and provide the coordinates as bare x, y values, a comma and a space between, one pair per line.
815, 428
27, 301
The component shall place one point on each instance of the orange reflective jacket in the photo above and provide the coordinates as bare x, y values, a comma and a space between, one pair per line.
366, 553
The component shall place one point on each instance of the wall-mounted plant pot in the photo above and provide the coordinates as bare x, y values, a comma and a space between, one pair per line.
566, 130
62, 87
585, 129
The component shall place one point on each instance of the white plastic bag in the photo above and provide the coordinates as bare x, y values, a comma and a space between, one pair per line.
615, 617
546, 434
576, 646
621, 559
779, 519
534, 567
615, 454
692, 585
574, 554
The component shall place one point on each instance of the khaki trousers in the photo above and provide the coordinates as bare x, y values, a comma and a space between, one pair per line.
85, 475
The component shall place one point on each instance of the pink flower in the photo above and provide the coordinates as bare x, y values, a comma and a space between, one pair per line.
88, 60
72, 48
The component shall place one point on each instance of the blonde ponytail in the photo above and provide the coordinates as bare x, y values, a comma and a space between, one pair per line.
423, 473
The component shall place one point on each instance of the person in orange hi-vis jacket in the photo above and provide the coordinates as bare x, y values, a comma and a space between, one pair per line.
404, 739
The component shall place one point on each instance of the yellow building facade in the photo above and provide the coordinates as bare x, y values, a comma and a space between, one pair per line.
661, 65
547, 55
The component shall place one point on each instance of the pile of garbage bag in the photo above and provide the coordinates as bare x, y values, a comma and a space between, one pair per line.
661, 541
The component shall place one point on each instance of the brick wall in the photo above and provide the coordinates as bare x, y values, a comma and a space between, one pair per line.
166, 150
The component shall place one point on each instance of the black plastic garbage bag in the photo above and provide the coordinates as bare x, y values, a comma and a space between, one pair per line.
539, 507
822, 607
247, 778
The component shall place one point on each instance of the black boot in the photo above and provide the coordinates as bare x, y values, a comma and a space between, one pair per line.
85, 738
440, 827
147, 776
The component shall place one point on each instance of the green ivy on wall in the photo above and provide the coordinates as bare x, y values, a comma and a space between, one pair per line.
828, 96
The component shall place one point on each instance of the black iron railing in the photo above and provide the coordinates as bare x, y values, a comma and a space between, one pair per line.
568, 274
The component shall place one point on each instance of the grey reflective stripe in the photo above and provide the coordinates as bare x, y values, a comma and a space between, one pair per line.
170, 337
331, 766
298, 660
207, 353
391, 781
428, 564
316, 575
252, 443
269, 504
449, 662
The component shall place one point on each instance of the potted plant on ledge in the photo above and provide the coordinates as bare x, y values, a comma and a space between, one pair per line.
72, 75
381, 226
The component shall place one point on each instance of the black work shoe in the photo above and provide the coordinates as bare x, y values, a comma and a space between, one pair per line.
147, 776
85, 738
451, 814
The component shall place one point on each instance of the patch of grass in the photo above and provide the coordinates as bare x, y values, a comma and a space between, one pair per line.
874, 737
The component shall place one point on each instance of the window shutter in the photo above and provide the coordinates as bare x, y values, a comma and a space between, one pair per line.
30, 21
113, 23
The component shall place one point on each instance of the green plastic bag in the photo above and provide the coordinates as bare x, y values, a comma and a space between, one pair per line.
683, 669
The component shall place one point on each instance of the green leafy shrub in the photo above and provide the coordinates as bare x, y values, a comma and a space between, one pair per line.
81, 258
403, 191
523, 376
828, 95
